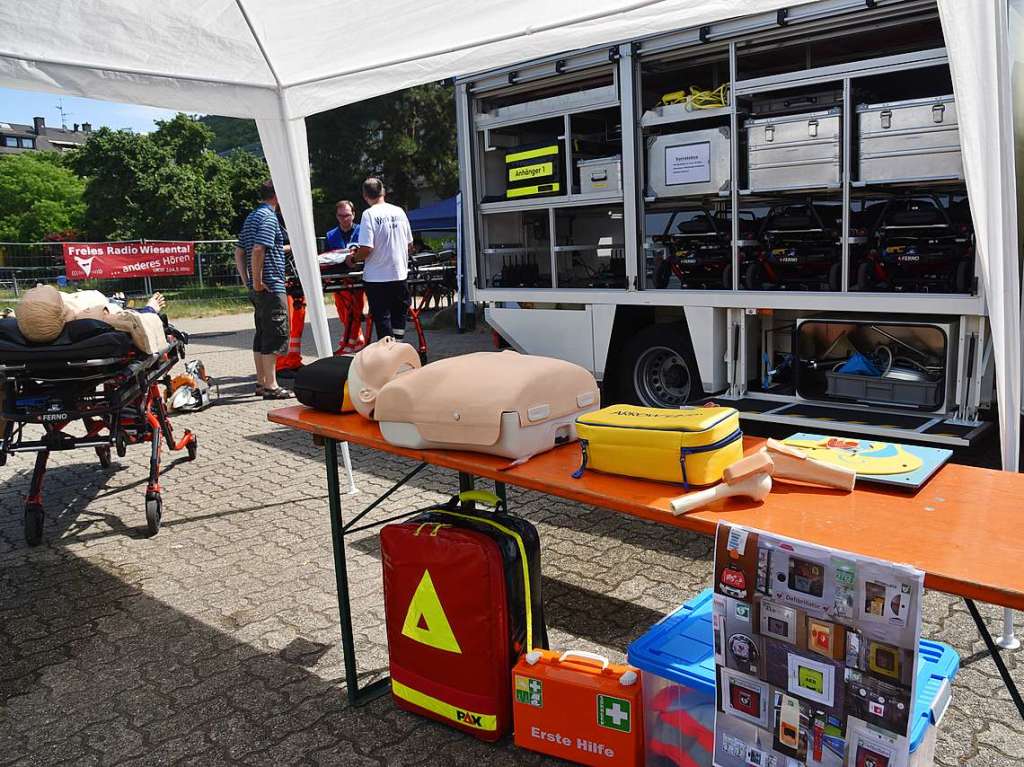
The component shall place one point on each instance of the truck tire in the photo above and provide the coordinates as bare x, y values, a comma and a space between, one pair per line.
657, 368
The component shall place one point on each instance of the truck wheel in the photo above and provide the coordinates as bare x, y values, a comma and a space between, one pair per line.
657, 368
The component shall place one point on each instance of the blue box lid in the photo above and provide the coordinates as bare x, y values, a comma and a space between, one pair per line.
679, 648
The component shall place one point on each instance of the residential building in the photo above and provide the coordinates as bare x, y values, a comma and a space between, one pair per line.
15, 138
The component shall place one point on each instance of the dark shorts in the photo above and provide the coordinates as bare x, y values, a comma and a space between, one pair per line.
271, 320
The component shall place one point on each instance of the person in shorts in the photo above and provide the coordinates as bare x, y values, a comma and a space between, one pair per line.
385, 244
260, 260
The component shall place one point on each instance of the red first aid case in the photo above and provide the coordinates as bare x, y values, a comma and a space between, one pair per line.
462, 602
579, 707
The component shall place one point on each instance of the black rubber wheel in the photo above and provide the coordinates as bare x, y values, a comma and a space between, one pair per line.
103, 453
154, 512
33, 524
753, 278
662, 275
121, 444
727, 277
657, 368
964, 278
835, 277
863, 276
192, 447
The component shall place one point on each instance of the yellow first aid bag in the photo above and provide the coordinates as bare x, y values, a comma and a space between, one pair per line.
691, 445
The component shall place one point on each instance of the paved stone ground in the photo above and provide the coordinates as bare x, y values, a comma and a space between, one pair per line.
216, 641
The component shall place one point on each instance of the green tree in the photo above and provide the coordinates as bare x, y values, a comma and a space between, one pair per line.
38, 197
163, 185
231, 132
407, 138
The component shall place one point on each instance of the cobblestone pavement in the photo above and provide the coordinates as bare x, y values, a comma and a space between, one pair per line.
216, 641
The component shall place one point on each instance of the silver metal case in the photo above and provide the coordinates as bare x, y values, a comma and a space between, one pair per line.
795, 151
600, 175
913, 140
691, 163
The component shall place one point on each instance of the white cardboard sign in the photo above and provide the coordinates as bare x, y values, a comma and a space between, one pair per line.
688, 163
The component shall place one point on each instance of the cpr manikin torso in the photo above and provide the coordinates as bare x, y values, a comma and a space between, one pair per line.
501, 403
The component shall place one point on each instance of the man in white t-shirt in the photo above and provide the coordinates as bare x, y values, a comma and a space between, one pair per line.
385, 244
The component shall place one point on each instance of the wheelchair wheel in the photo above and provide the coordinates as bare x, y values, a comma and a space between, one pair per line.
103, 453
192, 447
33, 524
154, 512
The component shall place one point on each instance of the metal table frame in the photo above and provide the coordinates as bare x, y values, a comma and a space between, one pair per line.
359, 696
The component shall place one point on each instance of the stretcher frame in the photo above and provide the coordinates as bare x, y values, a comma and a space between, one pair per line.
129, 410
425, 284
549, 473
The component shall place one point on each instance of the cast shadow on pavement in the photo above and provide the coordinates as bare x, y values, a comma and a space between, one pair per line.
95, 669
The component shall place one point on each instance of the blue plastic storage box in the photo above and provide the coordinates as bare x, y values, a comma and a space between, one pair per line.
678, 662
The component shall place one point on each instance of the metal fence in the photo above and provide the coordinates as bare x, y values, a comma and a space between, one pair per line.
214, 287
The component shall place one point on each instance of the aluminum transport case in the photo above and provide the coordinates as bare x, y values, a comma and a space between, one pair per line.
795, 151
603, 174
690, 163
914, 140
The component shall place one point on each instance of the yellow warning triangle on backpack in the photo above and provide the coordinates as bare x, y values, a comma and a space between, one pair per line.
425, 621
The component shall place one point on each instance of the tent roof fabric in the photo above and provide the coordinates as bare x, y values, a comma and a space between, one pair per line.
439, 216
257, 58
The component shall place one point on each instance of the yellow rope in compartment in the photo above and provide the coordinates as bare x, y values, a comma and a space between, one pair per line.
698, 98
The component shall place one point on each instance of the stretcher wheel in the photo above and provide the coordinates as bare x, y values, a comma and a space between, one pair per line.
192, 447
154, 512
103, 453
121, 444
33, 524
835, 277
962, 281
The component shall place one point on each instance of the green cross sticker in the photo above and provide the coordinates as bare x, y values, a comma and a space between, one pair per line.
613, 713
529, 691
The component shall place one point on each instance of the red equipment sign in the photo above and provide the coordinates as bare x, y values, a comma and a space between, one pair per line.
139, 258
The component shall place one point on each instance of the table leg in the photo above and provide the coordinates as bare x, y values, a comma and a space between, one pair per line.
502, 492
997, 658
356, 696
467, 482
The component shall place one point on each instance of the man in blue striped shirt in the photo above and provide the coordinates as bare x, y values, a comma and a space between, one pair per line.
259, 258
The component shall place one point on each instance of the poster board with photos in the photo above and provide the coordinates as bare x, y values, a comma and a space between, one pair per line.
815, 651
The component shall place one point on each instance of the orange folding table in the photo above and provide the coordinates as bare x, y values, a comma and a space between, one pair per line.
964, 528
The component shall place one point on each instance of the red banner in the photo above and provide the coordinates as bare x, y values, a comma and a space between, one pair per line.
114, 260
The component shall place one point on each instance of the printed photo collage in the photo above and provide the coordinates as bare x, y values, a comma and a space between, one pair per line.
815, 652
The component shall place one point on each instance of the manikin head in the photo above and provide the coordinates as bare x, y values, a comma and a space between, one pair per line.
373, 367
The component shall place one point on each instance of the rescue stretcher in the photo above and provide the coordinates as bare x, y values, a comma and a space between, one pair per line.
93, 374
431, 278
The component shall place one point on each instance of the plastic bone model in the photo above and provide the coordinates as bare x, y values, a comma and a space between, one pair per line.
749, 477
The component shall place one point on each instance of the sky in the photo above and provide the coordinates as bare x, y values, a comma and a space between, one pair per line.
22, 106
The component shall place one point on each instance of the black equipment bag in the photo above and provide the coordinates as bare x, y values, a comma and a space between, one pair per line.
322, 384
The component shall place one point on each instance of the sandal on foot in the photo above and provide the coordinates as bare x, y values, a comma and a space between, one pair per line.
277, 393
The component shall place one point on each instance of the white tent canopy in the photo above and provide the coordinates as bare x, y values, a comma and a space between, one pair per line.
280, 62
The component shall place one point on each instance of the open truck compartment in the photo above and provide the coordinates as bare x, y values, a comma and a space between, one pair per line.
757, 188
